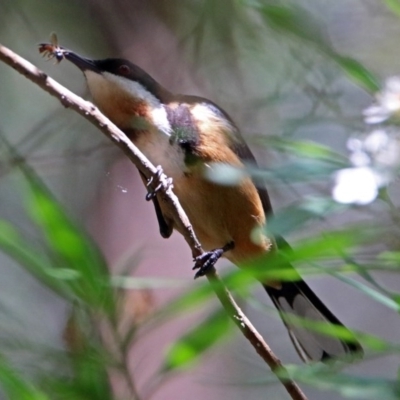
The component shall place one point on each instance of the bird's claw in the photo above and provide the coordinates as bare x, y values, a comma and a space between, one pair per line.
206, 261
156, 180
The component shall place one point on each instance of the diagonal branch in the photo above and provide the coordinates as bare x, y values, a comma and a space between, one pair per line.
92, 114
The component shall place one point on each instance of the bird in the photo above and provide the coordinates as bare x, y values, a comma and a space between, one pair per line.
186, 135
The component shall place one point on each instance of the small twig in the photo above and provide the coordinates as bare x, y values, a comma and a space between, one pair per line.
92, 114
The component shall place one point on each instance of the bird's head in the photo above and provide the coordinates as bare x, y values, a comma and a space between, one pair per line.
124, 92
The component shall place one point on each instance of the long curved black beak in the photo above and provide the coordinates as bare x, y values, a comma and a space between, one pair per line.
84, 64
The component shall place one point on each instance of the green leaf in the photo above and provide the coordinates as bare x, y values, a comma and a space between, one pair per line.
326, 246
341, 332
16, 387
190, 347
393, 6
390, 257
332, 243
81, 265
89, 360
301, 24
88, 379
195, 297
296, 21
298, 171
314, 161
33, 261
304, 148
71, 248
301, 170
377, 296
358, 73
129, 282
291, 218
348, 386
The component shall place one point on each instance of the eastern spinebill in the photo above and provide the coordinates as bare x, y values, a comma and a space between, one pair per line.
184, 135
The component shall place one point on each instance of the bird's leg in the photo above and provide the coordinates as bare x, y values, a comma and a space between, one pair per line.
156, 181
207, 260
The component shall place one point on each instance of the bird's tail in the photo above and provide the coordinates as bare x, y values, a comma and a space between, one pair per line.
296, 299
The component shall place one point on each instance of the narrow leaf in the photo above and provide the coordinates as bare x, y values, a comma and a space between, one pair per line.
34, 262
352, 387
190, 347
16, 387
393, 6
304, 148
358, 73
72, 250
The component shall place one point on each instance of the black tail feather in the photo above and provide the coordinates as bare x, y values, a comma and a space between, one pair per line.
297, 299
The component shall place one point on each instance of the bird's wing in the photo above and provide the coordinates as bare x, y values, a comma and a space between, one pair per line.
244, 153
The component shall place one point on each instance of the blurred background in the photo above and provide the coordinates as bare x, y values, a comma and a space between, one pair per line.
286, 74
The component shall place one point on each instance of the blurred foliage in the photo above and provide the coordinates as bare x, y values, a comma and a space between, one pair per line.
193, 344
278, 58
394, 6
17, 387
348, 386
75, 270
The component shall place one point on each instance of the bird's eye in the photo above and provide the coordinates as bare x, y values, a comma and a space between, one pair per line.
124, 70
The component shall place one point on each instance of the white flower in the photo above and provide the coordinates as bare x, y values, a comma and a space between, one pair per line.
384, 147
375, 114
375, 160
376, 141
360, 159
354, 144
387, 103
379, 149
358, 185
376, 156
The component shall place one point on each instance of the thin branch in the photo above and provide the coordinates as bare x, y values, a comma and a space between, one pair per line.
92, 114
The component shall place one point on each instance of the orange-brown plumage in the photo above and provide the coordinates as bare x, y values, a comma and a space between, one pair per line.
187, 135
124, 110
213, 221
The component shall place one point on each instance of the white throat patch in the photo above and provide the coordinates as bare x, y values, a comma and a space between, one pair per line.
101, 84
